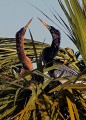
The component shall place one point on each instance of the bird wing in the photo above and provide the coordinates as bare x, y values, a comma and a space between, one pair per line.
64, 71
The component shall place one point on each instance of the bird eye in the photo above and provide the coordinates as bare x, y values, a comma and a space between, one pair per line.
49, 27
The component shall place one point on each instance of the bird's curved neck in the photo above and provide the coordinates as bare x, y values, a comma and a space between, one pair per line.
20, 43
55, 39
26, 62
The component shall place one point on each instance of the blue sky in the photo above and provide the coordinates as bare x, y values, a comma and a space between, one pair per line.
14, 14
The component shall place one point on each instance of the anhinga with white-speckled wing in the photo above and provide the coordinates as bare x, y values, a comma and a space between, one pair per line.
50, 52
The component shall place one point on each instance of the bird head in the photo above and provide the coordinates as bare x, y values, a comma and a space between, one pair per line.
26, 26
50, 28
23, 30
47, 26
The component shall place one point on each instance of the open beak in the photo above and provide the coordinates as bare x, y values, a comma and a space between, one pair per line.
26, 26
47, 26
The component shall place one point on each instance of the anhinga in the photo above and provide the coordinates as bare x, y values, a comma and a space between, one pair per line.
26, 62
49, 53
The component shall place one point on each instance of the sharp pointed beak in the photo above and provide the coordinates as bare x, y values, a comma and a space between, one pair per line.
47, 26
26, 26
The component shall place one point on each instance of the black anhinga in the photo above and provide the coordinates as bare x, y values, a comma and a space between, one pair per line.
26, 62
49, 53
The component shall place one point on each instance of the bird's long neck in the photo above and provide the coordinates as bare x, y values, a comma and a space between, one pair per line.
20, 44
26, 62
55, 40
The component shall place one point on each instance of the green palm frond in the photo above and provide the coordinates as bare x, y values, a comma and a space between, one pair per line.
76, 16
8, 48
30, 100
8, 55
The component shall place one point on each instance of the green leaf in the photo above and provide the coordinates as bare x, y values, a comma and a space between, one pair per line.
7, 112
